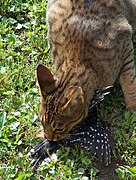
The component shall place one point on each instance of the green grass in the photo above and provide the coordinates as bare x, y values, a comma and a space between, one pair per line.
23, 45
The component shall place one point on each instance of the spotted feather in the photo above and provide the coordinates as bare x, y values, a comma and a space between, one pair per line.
91, 134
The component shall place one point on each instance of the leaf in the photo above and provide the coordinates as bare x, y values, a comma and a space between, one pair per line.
18, 43
12, 21
19, 26
14, 125
23, 176
3, 70
34, 90
3, 119
132, 170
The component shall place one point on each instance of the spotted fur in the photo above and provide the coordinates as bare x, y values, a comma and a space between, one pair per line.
91, 47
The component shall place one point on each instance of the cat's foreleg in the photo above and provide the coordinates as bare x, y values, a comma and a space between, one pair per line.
128, 79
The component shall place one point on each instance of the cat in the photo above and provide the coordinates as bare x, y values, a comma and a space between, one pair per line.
91, 46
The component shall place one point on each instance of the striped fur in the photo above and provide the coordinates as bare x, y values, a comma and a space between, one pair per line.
91, 47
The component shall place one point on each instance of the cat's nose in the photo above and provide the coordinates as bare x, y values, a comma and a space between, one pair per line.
50, 137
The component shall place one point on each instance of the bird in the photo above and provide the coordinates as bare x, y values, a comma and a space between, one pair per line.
92, 134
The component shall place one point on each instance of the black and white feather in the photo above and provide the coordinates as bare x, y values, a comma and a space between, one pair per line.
92, 134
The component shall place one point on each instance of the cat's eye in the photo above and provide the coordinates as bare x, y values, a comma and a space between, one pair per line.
60, 129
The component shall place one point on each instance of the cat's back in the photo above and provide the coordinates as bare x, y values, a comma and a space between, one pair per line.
98, 21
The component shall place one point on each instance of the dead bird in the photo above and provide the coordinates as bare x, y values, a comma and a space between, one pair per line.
92, 134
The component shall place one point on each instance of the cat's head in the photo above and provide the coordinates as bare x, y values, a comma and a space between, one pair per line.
61, 108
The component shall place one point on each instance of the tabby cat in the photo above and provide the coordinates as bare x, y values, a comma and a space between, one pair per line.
91, 47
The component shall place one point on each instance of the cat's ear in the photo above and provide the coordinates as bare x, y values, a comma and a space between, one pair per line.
45, 79
74, 94
74, 101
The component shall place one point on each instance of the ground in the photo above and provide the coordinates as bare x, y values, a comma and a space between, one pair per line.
23, 44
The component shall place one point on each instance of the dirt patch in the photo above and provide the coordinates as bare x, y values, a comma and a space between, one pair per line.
108, 172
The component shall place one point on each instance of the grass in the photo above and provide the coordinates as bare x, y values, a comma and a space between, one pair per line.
23, 45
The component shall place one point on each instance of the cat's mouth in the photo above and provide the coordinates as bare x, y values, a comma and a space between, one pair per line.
55, 137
